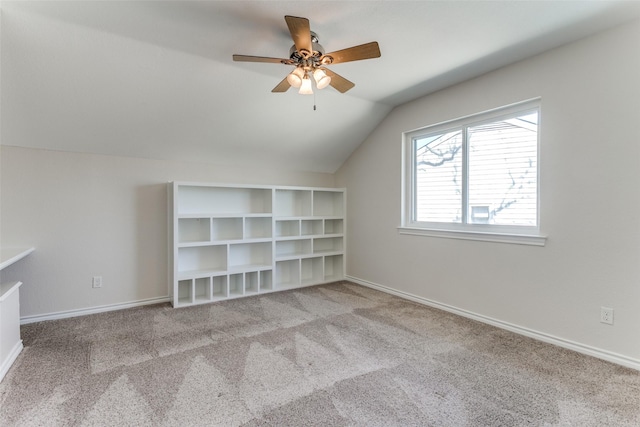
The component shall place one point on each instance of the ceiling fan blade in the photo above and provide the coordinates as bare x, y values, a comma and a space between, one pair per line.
355, 53
283, 86
338, 82
247, 58
300, 32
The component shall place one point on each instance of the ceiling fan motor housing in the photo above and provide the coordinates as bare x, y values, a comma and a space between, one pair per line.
311, 61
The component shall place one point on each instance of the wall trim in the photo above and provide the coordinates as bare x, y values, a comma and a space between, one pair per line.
518, 239
91, 310
11, 357
609, 356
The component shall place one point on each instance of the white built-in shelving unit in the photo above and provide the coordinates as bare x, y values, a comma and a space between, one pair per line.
229, 241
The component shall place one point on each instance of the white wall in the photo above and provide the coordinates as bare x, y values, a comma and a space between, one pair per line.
93, 215
590, 203
0, 128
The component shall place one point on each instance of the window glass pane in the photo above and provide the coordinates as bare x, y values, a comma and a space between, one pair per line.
503, 171
438, 175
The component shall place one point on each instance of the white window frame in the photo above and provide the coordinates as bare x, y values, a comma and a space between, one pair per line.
527, 235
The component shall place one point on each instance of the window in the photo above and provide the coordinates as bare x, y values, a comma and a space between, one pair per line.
475, 177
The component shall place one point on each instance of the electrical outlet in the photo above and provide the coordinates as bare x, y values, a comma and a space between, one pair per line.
606, 315
97, 281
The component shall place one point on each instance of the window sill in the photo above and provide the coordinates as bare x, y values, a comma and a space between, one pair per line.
517, 239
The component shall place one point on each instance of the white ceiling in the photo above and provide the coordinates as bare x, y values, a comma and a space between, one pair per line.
155, 79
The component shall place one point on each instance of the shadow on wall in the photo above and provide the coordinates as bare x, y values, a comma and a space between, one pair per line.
151, 241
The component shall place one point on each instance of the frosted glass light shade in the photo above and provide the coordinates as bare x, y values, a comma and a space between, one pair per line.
295, 77
321, 78
305, 87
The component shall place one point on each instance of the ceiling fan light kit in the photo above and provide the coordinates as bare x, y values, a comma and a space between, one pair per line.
296, 76
321, 78
309, 58
305, 87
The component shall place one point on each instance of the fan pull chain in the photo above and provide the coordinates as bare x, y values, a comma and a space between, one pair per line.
314, 101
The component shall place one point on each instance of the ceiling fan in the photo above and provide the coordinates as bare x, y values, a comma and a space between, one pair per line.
310, 59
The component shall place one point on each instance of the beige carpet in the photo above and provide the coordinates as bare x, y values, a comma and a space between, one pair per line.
332, 355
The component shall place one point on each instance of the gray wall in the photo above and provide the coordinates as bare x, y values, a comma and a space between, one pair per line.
589, 163
93, 215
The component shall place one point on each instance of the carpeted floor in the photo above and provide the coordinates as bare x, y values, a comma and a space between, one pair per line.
331, 355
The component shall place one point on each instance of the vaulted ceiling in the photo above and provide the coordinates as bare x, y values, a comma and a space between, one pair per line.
155, 79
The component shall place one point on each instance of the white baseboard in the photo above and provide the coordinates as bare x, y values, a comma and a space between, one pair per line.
91, 310
11, 357
541, 336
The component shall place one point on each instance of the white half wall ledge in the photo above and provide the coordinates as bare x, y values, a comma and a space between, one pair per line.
9, 256
608, 356
13, 355
91, 310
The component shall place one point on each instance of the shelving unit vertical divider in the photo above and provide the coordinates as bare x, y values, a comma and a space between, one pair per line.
172, 226
274, 236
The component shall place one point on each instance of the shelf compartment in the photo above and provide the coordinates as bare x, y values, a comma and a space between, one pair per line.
194, 230
328, 203
236, 285
219, 287
327, 244
311, 227
226, 229
287, 228
251, 282
293, 202
223, 200
287, 248
202, 289
266, 280
257, 227
249, 256
202, 258
287, 274
333, 268
333, 226
311, 271
185, 291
